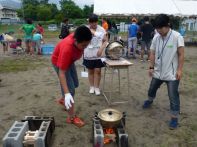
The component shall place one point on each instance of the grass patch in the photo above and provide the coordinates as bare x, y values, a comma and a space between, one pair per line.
18, 34
20, 64
190, 76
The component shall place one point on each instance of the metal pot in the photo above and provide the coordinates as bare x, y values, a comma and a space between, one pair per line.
114, 50
110, 117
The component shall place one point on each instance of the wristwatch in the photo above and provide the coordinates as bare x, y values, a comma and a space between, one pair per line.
151, 67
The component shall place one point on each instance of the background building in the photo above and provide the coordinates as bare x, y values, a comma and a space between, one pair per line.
8, 11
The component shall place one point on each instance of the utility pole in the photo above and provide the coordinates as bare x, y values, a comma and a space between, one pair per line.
22, 1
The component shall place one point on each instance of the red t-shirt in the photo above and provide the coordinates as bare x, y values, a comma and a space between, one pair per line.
66, 53
40, 29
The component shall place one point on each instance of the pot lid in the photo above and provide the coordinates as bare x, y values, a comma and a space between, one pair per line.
114, 44
110, 115
114, 50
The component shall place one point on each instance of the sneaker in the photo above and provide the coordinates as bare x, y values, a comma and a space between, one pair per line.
147, 104
75, 120
173, 123
91, 90
148, 59
97, 91
141, 59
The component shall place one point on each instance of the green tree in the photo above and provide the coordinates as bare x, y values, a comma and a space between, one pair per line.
43, 13
70, 9
44, 1
59, 17
87, 10
54, 10
20, 13
30, 2
30, 11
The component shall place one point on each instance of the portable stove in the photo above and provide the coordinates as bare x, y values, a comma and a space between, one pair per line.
103, 135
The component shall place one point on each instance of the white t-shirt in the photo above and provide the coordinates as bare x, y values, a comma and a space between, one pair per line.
90, 53
166, 56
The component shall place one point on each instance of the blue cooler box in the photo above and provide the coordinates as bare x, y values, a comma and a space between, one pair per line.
47, 49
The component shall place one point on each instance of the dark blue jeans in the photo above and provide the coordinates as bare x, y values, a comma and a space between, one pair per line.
71, 78
173, 93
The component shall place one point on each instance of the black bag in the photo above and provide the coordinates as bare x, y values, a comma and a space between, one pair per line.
64, 32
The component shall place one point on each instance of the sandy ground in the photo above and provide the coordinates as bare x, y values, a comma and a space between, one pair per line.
33, 92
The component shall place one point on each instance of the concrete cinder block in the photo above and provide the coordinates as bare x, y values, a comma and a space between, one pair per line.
122, 138
98, 134
44, 135
36, 121
14, 137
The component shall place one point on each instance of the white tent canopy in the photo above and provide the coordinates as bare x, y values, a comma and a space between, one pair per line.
145, 7
187, 7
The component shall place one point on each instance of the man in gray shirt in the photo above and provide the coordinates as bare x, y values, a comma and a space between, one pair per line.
166, 65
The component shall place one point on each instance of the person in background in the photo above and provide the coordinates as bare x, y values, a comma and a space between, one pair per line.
105, 24
92, 60
37, 38
4, 43
64, 29
147, 32
182, 30
132, 37
65, 54
5, 46
40, 29
114, 31
166, 65
28, 30
16, 46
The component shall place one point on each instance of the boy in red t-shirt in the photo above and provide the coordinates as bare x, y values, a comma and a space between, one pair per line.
65, 54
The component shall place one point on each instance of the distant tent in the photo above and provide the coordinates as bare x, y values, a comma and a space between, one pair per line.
145, 7
187, 7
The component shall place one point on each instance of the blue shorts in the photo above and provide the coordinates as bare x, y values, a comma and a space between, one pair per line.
71, 78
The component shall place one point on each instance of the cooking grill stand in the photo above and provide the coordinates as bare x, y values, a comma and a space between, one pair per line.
98, 134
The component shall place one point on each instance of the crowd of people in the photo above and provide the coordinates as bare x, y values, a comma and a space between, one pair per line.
165, 53
33, 36
164, 46
139, 33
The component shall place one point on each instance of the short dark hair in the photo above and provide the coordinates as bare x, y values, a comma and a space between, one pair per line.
82, 33
93, 18
146, 18
162, 20
29, 21
38, 32
18, 40
65, 19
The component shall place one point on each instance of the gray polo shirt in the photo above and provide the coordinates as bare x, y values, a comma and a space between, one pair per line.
166, 55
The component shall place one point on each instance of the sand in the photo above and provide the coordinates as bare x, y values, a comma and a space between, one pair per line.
34, 91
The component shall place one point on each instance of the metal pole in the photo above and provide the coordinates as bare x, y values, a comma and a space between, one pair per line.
22, 1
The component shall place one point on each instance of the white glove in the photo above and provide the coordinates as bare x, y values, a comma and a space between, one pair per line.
68, 100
